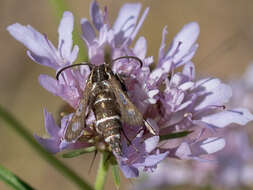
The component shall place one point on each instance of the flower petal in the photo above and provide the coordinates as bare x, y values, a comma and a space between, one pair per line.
42, 50
50, 84
129, 171
51, 145
150, 143
189, 70
65, 34
213, 93
222, 119
183, 151
88, 32
162, 46
137, 28
126, 21
208, 146
51, 127
96, 15
140, 48
152, 160
42, 60
186, 38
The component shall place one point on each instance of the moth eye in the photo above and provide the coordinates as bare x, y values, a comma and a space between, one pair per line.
122, 98
75, 126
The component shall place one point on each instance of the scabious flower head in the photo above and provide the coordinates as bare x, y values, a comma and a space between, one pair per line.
171, 102
230, 168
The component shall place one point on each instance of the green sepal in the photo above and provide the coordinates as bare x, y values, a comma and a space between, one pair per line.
175, 135
116, 175
78, 152
11, 179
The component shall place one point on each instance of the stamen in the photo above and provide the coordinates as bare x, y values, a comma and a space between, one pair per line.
234, 111
177, 49
222, 107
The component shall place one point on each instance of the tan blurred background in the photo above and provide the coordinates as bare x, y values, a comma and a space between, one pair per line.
226, 48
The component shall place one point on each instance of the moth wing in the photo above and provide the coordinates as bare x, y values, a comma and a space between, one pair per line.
77, 124
129, 113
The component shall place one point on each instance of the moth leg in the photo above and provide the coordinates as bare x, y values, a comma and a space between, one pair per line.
92, 162
108, 158
149, 127
126, 137
146, 127
128, 140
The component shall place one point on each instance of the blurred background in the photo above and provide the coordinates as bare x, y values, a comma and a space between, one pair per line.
225, 51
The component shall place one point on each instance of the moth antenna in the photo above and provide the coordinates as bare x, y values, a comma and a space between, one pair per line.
130, 57
74, 65
92, 162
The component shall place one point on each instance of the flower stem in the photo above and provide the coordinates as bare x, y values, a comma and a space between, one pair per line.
60, 6
25, 134
13, 181
102, 171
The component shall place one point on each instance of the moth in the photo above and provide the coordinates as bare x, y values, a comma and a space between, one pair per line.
106, 95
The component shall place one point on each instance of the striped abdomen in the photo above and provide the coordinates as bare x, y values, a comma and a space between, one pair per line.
107, 116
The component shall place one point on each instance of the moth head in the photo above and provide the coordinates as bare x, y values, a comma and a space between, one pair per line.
101, 73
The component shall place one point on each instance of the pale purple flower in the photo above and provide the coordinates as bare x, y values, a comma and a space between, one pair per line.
118, 38
41, 50
235, 161
230, 168
170, 104
140, 154
55, 143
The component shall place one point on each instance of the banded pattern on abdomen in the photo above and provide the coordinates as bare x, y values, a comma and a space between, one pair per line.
107, 116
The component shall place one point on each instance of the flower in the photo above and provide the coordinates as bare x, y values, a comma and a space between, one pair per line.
55, 144
231, 168
171, 102
41, 50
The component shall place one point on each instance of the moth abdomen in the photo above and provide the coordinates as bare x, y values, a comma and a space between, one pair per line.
107, 116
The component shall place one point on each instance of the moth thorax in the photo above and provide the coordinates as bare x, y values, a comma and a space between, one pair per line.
100, 74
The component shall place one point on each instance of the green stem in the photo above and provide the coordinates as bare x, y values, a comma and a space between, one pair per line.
60, 6
102, 171
13, 181
25, 134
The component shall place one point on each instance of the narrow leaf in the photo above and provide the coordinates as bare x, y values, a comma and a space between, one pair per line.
12, 180
78, 152
116, 175
175, 135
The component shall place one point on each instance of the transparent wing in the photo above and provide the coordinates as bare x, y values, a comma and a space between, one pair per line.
129, 113
77, 123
